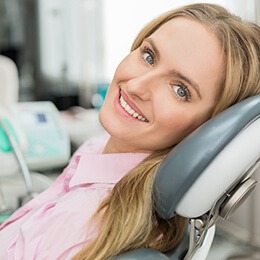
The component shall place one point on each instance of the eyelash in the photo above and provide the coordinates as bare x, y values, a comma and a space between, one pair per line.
186, 89
147, 50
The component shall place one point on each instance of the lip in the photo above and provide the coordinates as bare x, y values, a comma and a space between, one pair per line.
122, 111
130, 103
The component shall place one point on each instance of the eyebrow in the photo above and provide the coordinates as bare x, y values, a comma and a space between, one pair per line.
175, 72
155, 49
191, 82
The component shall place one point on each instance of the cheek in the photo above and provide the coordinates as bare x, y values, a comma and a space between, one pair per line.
172, 125
189, 123
178, 124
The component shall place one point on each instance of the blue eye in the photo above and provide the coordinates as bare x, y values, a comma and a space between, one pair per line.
182, 92
148, 58
147, 55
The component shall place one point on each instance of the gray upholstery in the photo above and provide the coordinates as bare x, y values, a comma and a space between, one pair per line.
142, 254
150, 254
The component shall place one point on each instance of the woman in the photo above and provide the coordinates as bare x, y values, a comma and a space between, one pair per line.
184, 67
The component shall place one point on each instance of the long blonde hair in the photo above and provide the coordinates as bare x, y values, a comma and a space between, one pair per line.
127, 219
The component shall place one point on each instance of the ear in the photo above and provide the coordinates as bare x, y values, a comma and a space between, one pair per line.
210, 162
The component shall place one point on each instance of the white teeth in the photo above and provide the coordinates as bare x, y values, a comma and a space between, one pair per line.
130, 111
127, 108
123, 103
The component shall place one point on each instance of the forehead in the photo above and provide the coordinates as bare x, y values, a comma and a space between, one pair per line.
185, 27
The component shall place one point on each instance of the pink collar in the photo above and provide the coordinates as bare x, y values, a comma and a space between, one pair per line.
104, 168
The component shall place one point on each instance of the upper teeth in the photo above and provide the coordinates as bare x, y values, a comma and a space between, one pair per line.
131, 111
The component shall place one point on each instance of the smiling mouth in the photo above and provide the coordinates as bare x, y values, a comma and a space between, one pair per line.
130, 110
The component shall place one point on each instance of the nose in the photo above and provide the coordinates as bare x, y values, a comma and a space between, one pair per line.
142, 86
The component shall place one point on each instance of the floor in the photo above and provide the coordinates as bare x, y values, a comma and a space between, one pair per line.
226, 247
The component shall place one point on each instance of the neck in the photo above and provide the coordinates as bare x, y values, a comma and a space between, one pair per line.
116, 146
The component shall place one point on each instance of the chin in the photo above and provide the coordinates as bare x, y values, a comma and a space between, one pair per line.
107, 123
102, 119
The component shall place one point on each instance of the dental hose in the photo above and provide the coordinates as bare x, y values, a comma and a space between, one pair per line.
21, 161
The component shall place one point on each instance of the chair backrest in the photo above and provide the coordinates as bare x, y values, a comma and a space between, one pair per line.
208, 176
9, 81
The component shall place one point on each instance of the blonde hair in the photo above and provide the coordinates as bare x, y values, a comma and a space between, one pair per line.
127, 218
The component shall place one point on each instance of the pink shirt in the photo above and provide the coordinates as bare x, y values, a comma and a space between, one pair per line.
54, 224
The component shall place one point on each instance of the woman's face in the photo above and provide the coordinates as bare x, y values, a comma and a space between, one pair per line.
164, 89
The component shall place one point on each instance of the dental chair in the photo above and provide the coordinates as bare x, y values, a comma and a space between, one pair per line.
206, 177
